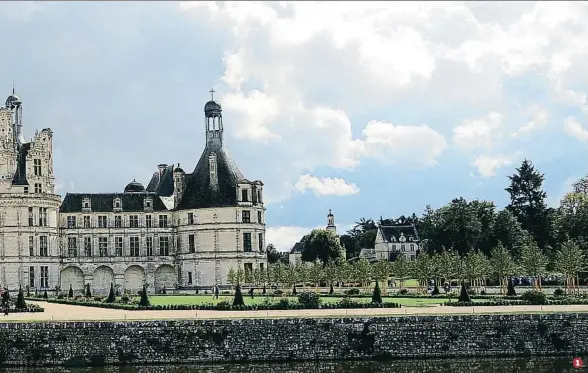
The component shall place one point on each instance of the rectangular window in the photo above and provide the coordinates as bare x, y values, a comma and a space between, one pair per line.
149, 245
72, 247
148, 221
259, 196
42, 216
403, 247
37, 167
44, 277
31, 217
102, 221
189, 278
247, 242
244, 195
31, 246
88, 246
31, 276
190, 218
411, 247
103, 246
246, 217
71, 221
134, 246
259, 217
260, 241
38, 188
43, 246
86, 222
26, 190
191, 243
118, 246
162, 221
261, 266
134, 221
164, 246
118, 221
179, 244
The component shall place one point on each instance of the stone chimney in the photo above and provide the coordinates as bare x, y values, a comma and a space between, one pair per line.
179, 185
161, 167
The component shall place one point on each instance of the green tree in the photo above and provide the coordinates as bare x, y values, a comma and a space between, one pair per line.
278, 274
20, 300
424, 269
381, 272
533, 261
343, 272
570, 261
257, 276
144, 300
331, 273
322, 245
572, 216
448, 263
502, 265
111, 297
238, 299
475, 268
231, 277
377, 294
291, 276
273, 256
363, 272
507, 231
316, 273
401, 269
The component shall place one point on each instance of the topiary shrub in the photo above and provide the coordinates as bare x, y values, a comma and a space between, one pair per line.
111, 297
123, 299
263, 291
294, 290
353, 291
238, 299
377, 294
534, 297
60, 296
463, 295
20, 301
435, 290
309, 300
559, 292
164, 291
70, 294
88, 292
403, 292
510, 290
45, 296
144, 301
331, 290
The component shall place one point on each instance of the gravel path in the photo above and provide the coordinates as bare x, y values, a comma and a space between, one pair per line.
63, 312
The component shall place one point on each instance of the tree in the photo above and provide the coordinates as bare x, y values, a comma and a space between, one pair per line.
572, 217
351, 245
330, 273
20, 300
510, 290
363, 272
238, 300
424, 268
88, 292
463, 294
507, 231
111, 297
70, 294
144, 301
448, 263
45, 296
475, 268
322, 245
502, 265
533, 261
291, 275
381, 272
527, 203
401, 269
316, 273
377, 295
570, 261
273, 256
277, 274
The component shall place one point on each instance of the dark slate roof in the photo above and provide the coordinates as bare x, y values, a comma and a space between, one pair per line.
395, 230
297, 248
164, 185
199, 193
134, 187
104, 202
20, 176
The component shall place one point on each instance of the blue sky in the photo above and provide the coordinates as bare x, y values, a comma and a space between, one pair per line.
365, 108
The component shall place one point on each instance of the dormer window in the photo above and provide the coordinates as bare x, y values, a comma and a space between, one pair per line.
410, 239
392, 239
117, 204
86, 205
244, 195
148, 204
402, 238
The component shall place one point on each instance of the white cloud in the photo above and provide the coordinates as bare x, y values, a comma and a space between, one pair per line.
567, 186
283, 238
478, 133
324, 186
537, 121
573, 128
487, 165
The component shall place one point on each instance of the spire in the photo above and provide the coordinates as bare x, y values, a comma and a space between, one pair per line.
211, 94
213, 120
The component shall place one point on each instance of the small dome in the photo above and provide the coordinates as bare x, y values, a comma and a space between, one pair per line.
134, 187
212, 107
178, 170
12, 101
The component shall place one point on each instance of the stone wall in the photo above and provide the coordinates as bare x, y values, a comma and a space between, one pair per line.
211, 341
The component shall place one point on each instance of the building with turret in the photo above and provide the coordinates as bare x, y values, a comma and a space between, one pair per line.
184, 230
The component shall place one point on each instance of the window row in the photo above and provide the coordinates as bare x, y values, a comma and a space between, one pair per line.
117, 204
403, 247
248, 195
246, 216
103, 221
43, 246
43, 278
38, 188
41, 217
104, 249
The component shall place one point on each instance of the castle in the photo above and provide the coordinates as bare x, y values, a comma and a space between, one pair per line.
184, 230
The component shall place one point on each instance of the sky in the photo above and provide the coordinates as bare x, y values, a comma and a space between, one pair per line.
368, 109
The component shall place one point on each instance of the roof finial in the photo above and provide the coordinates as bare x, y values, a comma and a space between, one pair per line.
211, 94
13, 91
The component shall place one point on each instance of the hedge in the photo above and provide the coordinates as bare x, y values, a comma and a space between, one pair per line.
30, 308
549, 302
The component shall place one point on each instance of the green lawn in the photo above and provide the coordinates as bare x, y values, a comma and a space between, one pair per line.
206, 299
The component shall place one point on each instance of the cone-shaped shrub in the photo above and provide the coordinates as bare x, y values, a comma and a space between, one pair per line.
45, 296
5, 296
111, 297
70, 292
435, 290
238, 301
20, 301
88, 292
463, 295
144, 301
331, 290
263, 291
294, 290
377, 294
510, 290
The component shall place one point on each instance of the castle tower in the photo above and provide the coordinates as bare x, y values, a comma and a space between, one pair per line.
331, 223
213, 118
14, 104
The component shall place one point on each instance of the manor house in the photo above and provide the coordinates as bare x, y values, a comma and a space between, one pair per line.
184, 230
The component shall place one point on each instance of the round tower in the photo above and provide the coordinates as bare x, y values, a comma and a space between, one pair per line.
14, 104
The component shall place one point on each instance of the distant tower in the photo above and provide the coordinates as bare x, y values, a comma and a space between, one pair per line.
14, 104
213, 122
331, 222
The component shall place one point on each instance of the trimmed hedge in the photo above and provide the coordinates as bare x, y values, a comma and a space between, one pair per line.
225, 306
30, 308
549, 302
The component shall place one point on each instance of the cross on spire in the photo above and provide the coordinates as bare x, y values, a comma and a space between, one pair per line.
211, 94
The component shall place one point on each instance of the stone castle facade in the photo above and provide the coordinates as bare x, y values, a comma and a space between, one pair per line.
184, 230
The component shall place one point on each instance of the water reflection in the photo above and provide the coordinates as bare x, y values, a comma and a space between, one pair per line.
404, 366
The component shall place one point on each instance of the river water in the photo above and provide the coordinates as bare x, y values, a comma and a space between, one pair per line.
536, 365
